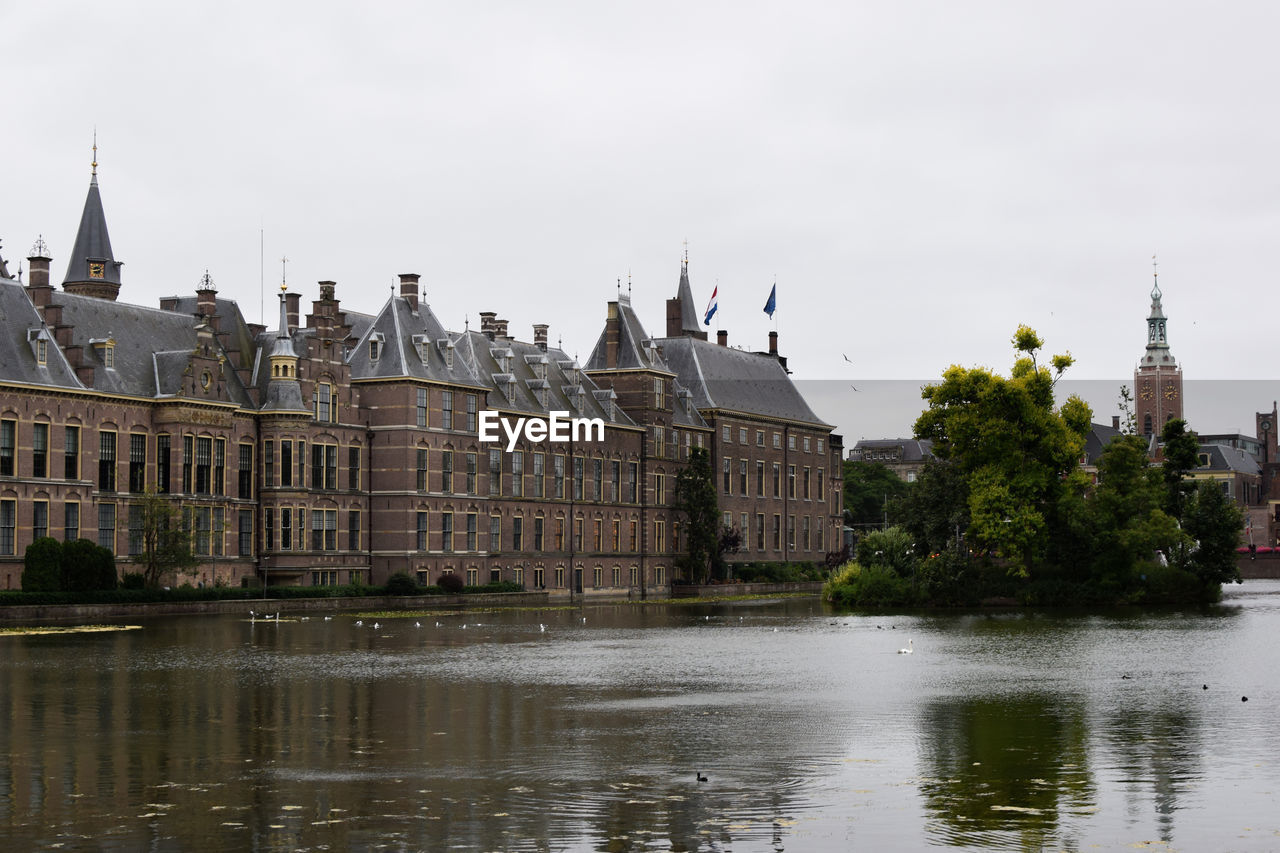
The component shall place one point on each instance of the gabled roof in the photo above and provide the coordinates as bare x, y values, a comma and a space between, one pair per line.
1100, 435
636, 349
18, 361
1224, 458
736, 380
412, 345
912, 449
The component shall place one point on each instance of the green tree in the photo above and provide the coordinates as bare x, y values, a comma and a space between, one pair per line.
695, 499
165, 541
1181, 454
872, 491
42, 565
1210, 518
936, 510
1128, 421
1018, 453
86, 565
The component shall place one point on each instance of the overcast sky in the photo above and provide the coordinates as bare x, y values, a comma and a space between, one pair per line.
919, 178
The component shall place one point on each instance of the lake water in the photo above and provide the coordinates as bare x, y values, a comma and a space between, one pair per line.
1001, 731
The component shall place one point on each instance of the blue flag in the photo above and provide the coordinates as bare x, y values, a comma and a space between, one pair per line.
772, 304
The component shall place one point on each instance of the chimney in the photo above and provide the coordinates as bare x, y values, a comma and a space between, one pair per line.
1115, 422
38, 274
540, 336
773, 343
499, 328
674, 326
486, 323
409, 289
207, 301
611, 336
327, 289
722, 337
291, 302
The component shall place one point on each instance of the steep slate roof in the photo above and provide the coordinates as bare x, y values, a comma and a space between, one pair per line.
18, 319
735, 380
688, 313
412, 346
152, 347
913, 449
92, 242
1099, 437
636, 350
1224, 458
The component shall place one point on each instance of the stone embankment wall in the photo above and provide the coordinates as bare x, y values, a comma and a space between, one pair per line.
714, 590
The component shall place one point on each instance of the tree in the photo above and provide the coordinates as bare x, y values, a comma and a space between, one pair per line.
1210, 518
936, 510
1017, 452
1181, 454
165, 541
695, 499
42, 565
1128, 421
870, 491
86, 565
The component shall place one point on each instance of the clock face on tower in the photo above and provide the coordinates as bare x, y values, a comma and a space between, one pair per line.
1170, 392
1145, 393
95, 270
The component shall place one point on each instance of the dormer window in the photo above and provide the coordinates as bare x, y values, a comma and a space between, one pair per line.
376, 341
420, 344
42, 351
106, 350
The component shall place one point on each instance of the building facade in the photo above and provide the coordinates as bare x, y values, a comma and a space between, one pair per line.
344, 447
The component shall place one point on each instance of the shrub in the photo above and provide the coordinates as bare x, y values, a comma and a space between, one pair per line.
451, 583
87, 566
401, 584
869, 586
133, 580
42, 565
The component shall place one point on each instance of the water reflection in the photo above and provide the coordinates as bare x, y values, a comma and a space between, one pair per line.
1001, 772
1014, 731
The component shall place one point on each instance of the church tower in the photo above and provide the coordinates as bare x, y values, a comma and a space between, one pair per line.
91, 268
1157, 382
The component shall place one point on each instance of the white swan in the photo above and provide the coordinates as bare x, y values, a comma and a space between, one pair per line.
909, 649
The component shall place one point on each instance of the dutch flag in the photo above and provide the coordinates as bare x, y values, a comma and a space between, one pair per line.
711, 307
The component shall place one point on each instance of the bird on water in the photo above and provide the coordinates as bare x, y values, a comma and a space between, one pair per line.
701, 778
909, 649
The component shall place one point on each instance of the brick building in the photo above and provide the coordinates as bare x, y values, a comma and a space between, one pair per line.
346, 447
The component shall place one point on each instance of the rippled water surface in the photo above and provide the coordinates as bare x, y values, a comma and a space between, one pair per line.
537, 730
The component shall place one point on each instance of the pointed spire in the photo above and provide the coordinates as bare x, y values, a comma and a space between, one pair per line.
1157, 332
92, 269
688, 311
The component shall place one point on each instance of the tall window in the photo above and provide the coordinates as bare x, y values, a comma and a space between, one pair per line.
268, 463
777, 480
219, 466
8, 526
244, 533
537, 533
188, 461
495, 471
70, 521
471, 413
324, 530
71, 453
539, 462
244, 474
422, 531
204, 465
446, 410
659, 536
660, 489
471, 473
517, 533
39, 519
658, 396
558, 475
760, 479
517, 473
633, 478
353, 530
615, 480
107, 464
422, 469
286, 528
324, 466
804, 531
597, 479
446, 471
324, 398
286, 463
422, 407
446, 531
40, 450
472, 521
8, 448
107, 526
137, 463
269, 529
302, 466
353, 468
577, 478
805, 482
726, 476
742, 476
635, 536
759, 531
791, 481
495, 533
